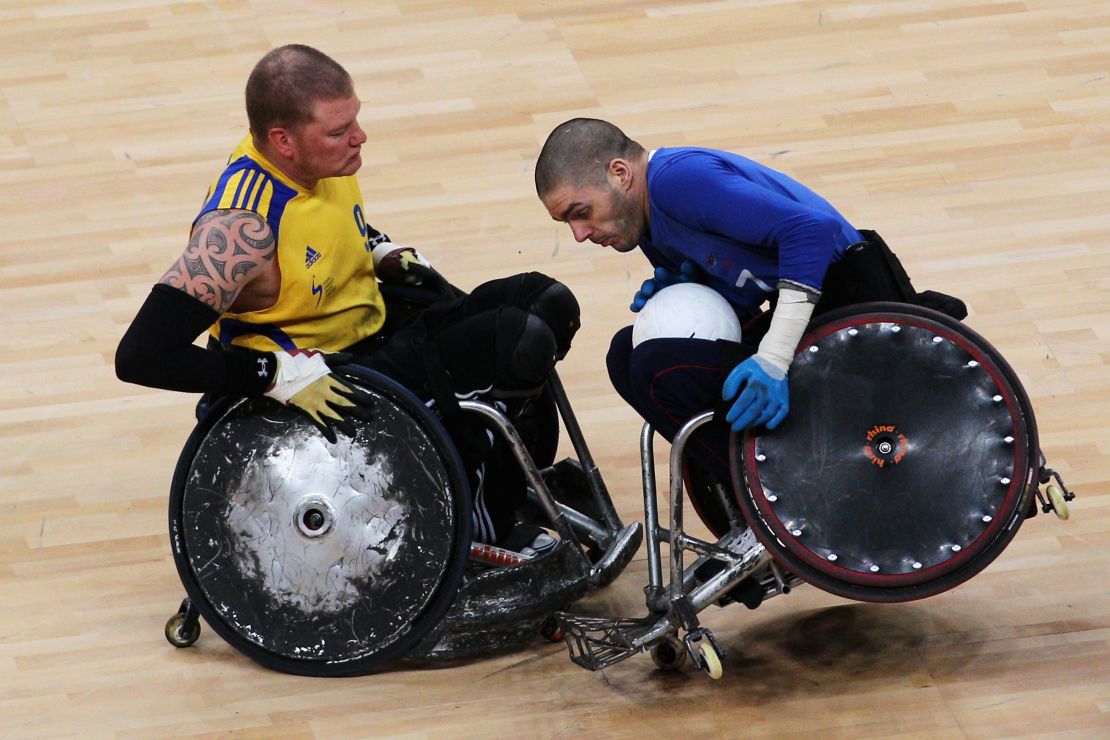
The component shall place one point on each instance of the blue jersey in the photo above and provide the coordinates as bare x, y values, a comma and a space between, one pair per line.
745, 225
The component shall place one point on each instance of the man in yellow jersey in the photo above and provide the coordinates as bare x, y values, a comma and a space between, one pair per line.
280, 270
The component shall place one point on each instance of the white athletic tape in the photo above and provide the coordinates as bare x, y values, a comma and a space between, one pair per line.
385, 249
788, 324
295, 372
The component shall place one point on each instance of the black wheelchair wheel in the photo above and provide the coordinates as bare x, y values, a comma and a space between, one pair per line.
906, 464
314, 558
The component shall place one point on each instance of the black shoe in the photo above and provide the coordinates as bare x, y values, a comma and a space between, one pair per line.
528, 540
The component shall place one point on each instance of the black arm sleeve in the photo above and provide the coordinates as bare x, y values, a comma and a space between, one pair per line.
158, 351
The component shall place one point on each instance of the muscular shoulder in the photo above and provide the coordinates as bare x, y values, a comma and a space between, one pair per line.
227, 249
248, 186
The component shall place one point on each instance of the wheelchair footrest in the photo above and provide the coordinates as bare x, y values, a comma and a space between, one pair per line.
595, 643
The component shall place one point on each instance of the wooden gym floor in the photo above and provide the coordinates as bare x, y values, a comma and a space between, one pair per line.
973, 134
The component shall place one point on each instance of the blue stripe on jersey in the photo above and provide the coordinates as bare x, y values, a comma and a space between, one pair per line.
281, 197
238, 189
232, 328
255, 185
242, 194
258, 191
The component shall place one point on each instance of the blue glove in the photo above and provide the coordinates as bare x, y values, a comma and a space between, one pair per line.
687, 273
763, 400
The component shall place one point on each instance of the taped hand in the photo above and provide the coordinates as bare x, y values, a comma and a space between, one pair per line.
394, 263
763, 398
687, 273
304, 380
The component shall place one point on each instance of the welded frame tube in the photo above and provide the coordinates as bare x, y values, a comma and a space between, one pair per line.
531, 472
651, 513
678, 446
578, 441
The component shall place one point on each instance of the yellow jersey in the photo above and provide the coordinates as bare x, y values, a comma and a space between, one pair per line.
329, 297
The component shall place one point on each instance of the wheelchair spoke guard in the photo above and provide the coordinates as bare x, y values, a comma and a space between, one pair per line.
316, 558
907, 461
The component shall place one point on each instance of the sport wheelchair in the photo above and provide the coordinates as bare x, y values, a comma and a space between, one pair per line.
338, 559
907, 463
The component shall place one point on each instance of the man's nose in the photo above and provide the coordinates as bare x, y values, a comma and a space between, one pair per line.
358, 137
581, 232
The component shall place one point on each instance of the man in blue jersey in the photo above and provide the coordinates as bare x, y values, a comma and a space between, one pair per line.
749, 232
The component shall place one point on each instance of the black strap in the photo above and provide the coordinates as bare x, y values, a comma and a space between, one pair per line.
868, 271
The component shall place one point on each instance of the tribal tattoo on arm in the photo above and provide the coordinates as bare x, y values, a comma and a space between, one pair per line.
228, 249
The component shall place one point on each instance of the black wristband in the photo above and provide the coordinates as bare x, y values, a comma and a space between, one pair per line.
247, 372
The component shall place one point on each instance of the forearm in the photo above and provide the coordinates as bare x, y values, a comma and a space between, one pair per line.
788, 323
158, 351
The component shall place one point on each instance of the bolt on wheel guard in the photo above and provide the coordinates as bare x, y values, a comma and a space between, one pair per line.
337, 559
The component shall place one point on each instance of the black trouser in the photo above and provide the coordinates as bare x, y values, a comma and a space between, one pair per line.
488, 343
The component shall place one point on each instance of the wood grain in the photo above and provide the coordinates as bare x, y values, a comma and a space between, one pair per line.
973, 134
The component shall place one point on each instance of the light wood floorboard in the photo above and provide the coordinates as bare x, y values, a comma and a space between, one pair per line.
973, 134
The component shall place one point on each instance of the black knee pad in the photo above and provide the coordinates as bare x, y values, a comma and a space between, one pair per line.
536, 293
526, 350
504, 349
558, 308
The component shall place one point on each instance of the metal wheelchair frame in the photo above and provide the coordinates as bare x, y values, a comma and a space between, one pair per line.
507, 606
671, 630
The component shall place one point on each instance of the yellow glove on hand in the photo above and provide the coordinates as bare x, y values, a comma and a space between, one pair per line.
322, 399
304, 380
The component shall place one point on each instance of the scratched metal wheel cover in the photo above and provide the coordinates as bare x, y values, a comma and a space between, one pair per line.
904, 462
380, 503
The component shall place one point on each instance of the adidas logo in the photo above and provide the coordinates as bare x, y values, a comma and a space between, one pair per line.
311, 256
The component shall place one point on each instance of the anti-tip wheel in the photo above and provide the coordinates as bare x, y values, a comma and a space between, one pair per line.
669, 655
710, 661
1056, 498
552, 631
176, 633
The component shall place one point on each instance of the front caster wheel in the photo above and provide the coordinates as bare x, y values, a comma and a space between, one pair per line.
669, 655
710, 661
179, 634
1057, 499
552, 631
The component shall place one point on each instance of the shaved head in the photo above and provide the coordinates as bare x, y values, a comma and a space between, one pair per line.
287, 82
578, 153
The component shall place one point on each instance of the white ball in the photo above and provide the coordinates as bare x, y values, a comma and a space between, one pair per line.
688, 310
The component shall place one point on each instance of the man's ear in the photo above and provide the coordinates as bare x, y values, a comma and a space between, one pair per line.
619, 173
281, 141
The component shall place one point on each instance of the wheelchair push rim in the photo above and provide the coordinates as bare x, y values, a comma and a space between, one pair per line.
315, 558
907, 462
